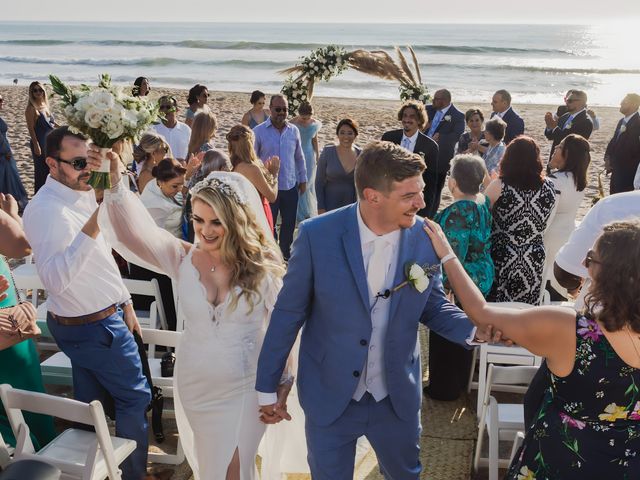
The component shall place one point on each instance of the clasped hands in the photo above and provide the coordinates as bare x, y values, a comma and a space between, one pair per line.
276, 412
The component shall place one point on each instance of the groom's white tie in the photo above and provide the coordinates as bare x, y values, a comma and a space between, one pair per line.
377, 268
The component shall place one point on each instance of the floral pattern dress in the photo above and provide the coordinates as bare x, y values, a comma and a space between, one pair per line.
588, 426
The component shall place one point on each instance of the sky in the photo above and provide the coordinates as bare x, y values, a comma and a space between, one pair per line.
343, 11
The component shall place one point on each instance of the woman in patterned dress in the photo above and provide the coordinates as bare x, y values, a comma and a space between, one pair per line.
588, 426
523, 203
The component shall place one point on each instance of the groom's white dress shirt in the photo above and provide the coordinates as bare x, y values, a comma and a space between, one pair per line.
409, 142
373, 377
78, 272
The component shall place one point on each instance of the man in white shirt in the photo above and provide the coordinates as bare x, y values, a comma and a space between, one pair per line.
89, 308
177, 134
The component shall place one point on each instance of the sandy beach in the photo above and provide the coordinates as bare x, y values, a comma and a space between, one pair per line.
374, 117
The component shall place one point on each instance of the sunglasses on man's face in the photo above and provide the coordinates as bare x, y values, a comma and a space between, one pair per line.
167, 108
78, 163
279, 109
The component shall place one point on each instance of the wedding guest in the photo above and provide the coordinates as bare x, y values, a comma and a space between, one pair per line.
413, 116
263, 176
446, 124
40, 122
197, 99
562, 109
258, 114
89, 308
141, 87
163, 197
212, 161
20, 363
467, 225
494, 134
176, 133
151, 149
570, 162
523, 203
501, 105
335, 185
10, 182
277, 137
575, 120
228, 283
588, 425
622, 157
308, 127
470, 142
203, 131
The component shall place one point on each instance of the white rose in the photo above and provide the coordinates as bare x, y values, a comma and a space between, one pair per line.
421, 284
93, 117
83, 104
447, 118
101, 99
130, 118
315, 68
415, 272
114, 128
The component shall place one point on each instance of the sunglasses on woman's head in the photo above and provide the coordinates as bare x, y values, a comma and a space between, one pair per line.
588, 260
78, 163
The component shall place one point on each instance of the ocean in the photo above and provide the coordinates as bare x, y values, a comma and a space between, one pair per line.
536, 63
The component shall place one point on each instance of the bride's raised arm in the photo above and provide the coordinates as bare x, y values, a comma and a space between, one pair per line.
131, 231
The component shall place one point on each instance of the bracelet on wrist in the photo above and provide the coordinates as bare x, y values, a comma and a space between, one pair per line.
447, 257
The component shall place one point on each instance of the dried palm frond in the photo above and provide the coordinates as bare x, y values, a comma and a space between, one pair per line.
415, 63
378, 63
601, 193
405, 65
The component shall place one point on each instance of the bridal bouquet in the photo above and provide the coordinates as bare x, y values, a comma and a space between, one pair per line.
105, 114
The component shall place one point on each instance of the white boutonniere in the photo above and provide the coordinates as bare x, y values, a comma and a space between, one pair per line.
447, 118
416, 275
567, 126
623, 129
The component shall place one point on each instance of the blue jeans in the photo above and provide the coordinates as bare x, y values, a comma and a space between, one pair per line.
332, 448
287, 204
105, 360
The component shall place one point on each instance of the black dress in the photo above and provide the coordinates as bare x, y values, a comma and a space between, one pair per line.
588, 426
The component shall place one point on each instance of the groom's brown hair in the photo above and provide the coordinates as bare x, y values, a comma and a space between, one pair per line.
382, 163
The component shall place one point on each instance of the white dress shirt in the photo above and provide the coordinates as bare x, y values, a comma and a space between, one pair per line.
411, 144
79, 273
502, 114
177, 138
373, 378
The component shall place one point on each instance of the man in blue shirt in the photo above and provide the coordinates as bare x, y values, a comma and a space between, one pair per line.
278, 137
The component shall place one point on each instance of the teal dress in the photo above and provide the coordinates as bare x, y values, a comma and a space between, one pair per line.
467, 225
20, 368
307, 203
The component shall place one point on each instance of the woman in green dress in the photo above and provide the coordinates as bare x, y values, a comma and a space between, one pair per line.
19, 364
467, 225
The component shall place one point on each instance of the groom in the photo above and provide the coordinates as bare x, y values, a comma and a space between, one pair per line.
359, 365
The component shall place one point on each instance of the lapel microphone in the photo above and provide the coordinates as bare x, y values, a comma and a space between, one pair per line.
386, 294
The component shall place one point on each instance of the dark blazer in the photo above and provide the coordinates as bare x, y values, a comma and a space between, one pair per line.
623, 153
450, 131
427, 148
581, 125
515, 125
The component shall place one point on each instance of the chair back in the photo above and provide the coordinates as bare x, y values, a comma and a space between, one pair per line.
148, 288
512, 375
15, 401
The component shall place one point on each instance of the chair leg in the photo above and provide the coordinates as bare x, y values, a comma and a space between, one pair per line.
474, 360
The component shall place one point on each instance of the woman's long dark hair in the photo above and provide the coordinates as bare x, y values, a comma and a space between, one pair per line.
576, 150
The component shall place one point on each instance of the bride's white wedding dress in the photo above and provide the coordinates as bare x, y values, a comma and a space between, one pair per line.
216, 361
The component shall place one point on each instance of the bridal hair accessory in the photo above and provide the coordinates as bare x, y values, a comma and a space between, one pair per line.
228, 186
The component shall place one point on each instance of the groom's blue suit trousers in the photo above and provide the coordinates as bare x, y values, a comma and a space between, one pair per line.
332, 448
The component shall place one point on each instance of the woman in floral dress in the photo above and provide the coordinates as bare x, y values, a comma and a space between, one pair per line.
588, 426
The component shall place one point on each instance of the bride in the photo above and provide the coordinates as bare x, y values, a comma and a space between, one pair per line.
227, 285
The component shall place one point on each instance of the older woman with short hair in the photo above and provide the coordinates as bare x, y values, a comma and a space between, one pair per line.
523, 203
469, 141
494, 131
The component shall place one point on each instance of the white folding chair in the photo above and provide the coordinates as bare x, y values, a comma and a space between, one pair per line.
79, 454
500, 420
148, 288
5, 453
26, 278
167, 338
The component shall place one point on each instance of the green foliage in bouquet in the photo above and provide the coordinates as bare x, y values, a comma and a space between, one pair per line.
106, 114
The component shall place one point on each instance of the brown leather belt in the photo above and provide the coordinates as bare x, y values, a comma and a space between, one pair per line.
85, 319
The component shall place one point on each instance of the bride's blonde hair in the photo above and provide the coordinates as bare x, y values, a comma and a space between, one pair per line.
245, 248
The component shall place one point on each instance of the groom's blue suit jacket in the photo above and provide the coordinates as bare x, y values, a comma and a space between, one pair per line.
325, 291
